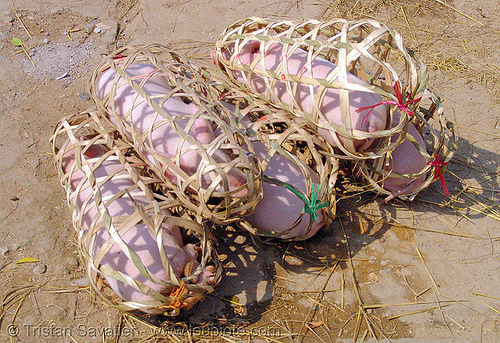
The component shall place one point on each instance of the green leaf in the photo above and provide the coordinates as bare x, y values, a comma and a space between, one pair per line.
17, 42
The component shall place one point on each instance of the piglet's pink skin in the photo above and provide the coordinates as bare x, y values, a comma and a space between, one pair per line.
406, 159
182, 257
279, 208
321, 68
164, 139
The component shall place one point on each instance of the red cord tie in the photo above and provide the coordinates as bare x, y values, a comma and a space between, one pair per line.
438, 172
402, 106
119, 57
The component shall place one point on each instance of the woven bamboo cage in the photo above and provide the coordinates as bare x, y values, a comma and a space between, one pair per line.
285, 145
141, 244
364, 67
350, 56
161, 104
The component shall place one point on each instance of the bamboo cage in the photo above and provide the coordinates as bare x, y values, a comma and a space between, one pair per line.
354, 81
160, 103
133, 241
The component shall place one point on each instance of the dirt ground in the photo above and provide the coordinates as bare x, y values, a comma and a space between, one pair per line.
423, 271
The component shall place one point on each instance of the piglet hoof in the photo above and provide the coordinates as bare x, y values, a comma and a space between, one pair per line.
208, 275
188, 303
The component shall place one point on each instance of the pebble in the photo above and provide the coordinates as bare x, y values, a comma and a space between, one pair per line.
84, 281
84, 96
4, 250
70, 262
40, 269
97, 30
47, 34
46, 41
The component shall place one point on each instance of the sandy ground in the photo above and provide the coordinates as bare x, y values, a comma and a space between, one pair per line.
440, 252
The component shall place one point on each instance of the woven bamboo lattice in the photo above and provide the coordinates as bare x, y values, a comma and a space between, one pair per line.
336, 50
161, 104
291, 137
366, 74
129, 237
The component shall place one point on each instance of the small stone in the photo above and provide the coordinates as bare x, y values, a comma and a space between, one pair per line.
40, 269
4, 251
84, 96
97, 30
84, 281
384, 263
70, 262
47, 34
119, 45
46, 41
385, 271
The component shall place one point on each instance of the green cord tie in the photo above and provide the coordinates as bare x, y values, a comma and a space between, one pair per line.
310, 207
